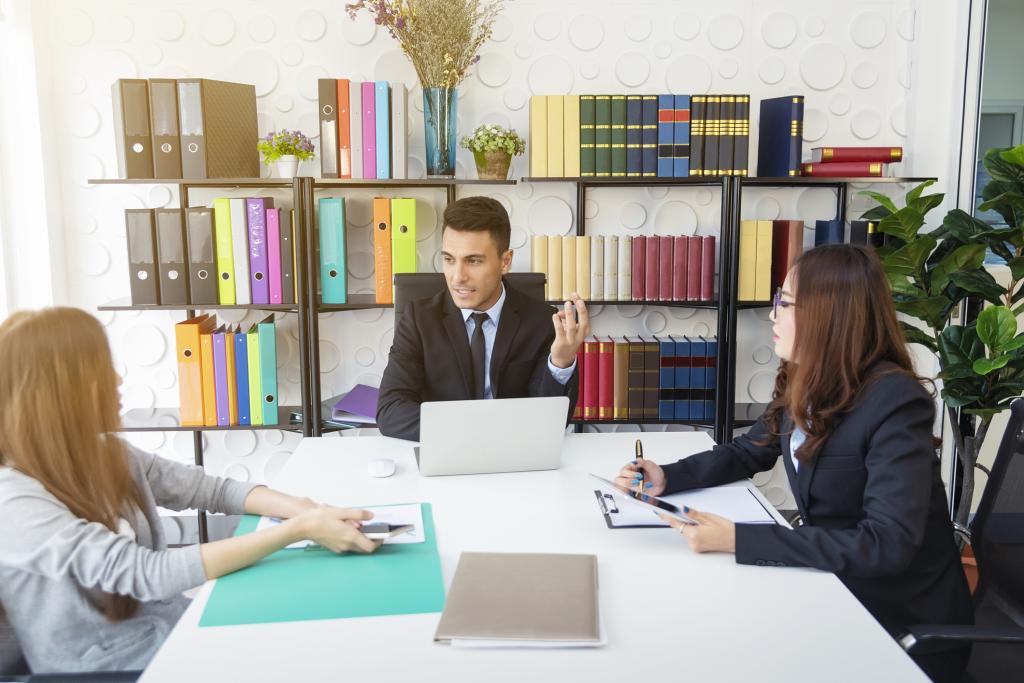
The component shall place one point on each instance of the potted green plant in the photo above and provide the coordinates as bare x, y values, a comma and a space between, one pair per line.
285, 148
982, 362
493, 148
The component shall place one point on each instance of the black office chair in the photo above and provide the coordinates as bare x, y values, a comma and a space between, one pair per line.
413, 286
997, 536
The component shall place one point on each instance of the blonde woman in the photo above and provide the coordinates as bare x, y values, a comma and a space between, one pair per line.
86, 577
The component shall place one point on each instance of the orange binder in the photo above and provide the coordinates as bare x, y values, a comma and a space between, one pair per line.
382, 249
209, 388
229, 348
344, 131
190, 374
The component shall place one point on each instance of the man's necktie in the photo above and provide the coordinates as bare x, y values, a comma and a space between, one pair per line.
479, 349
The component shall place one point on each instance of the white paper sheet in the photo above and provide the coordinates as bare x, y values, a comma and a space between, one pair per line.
735, 503
391, 514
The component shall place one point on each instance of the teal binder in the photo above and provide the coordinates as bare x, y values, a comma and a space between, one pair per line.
266, 335
303, 585
331, 226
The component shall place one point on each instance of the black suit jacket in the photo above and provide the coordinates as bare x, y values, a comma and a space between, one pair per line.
430, 359
872, 501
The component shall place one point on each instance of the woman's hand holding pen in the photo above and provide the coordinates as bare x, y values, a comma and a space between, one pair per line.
652, 475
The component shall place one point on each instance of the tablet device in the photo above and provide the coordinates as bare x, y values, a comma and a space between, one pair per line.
649, 501
378, 531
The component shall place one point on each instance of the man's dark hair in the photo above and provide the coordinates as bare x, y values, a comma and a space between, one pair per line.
477, 214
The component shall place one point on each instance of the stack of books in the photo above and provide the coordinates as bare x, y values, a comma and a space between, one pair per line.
626, 268
226, 376
185, 128
240, 252
852, 162
394, 246
363, 129
643, 378
664, 136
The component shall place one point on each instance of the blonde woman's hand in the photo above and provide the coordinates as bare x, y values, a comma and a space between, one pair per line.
653, 476
337, 529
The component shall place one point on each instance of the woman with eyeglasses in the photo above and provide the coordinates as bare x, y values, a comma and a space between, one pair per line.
853, 424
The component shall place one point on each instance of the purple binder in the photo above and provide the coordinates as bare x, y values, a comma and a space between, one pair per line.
256, 220
369, 130
220, 376
360, 404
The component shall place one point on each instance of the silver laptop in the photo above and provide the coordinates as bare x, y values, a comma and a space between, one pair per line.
499, 435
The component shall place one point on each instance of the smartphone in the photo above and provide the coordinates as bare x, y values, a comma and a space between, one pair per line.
378, 531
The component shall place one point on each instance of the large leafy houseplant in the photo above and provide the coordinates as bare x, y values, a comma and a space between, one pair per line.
982, 362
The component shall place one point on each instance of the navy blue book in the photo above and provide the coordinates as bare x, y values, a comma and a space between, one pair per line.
667, 378
242, 377
828, 232
634, 135
711, 377
682, 378
780, 136
681, 137
698, 361
666, 134
649, 136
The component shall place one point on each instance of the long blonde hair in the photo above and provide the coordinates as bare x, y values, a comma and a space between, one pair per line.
59, 414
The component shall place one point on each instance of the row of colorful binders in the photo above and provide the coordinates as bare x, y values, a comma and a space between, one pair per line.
362, 129
639, 378
626, 268
226, 376
394, 246
769, 248
667, 136
240, 252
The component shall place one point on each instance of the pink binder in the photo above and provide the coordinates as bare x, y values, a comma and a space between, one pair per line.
369, 130
274, 253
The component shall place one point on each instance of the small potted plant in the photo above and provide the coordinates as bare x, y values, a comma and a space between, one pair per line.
286, 148
493, 148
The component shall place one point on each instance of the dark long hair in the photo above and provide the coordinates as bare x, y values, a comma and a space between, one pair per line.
845, 326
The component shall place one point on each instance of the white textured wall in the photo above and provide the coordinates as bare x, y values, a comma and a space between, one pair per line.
856, 62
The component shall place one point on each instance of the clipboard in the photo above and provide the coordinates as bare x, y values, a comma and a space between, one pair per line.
620, 517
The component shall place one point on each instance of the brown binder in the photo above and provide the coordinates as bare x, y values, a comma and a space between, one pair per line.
202, 262
382, 250
218, 129
328, 91
163, 112
142, 274
131, 128
170, 253
635, 379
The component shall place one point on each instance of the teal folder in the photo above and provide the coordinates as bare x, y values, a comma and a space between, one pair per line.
331, 227
265, 332
302, 585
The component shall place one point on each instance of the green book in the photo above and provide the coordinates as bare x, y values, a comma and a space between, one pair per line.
588, 151
603, 134
618, 135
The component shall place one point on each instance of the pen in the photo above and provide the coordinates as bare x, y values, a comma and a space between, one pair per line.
640, 469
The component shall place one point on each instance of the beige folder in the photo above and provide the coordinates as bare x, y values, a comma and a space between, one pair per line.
522, 597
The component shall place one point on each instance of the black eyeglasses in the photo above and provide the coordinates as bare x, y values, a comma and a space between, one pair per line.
778, 303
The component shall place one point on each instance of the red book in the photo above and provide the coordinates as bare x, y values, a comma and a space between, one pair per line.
844, 169
639, 278
679, 246
665, 268
693, 255
577, 412
652, 262
707, 269
606, 378
787, 245
592, 380
888, 155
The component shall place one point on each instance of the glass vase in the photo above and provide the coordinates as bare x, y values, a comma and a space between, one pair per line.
440, 113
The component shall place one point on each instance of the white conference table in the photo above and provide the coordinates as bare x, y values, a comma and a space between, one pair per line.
668, 613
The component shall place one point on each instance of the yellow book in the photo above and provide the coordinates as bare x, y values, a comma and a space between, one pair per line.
252, 344
568, 266
554, 268
748, 261
225, 251
556, 140
571, 136
539, 136
229, 349
763, 262
539, 260
620, 383
583, 266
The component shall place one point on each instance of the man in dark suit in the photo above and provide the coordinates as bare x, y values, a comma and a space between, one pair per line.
480, 338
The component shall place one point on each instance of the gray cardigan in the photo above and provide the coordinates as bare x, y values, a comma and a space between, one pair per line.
56, 567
